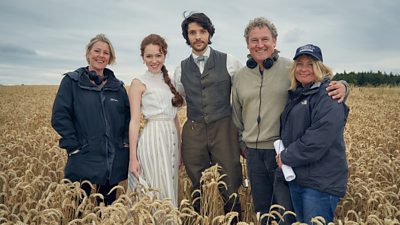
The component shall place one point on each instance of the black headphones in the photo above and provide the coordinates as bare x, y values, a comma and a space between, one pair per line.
267, 63
96, 78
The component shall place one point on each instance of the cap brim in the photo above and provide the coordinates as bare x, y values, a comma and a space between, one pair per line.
307, 53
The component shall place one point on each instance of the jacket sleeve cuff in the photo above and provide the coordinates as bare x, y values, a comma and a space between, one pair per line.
347, 89
69, 144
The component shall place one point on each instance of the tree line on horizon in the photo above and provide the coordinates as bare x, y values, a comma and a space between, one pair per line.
361, 79
370, 78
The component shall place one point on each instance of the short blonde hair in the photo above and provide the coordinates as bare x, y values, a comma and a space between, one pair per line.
103, 38
321, 71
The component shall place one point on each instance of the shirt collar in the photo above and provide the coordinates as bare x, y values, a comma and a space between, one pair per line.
206, 53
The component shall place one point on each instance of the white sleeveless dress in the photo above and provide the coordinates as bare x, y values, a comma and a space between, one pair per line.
157, 149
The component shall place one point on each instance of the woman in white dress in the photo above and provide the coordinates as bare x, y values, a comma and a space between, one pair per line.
155, 152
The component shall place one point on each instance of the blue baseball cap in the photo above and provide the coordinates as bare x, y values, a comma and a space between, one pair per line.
311, 50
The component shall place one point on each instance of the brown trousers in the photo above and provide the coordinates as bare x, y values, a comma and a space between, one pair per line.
204, 145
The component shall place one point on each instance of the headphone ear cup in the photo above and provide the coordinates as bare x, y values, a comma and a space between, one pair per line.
268, 63
94, 77
251, 63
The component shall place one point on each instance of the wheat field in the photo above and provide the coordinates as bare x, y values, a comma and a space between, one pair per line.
32, 189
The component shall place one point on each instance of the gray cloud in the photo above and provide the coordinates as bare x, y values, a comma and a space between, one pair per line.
7, 50
42, 40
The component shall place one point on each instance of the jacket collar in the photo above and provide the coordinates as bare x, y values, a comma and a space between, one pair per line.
84, 82
309, 89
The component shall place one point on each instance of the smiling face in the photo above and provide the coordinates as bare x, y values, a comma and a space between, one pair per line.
304, 70
153, 58
198, 38
99, 57
261, 44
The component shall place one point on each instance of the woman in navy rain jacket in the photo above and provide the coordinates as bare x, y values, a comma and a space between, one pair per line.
312, 126
91, 114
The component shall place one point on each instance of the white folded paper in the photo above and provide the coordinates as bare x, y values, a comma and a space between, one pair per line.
287, 170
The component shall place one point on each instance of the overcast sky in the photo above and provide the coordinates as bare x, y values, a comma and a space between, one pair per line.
41, 40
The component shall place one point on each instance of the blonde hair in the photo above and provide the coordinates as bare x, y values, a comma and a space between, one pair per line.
321, 71
102, 38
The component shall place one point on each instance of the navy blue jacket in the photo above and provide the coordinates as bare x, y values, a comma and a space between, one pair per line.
312, 126
93, 124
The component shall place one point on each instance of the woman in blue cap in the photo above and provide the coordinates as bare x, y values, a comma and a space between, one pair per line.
312, 126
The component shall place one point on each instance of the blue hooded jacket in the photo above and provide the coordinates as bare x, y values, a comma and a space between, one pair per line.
93, 123
312, 126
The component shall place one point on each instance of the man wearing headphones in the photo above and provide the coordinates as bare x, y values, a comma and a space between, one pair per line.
208, 136
259, 95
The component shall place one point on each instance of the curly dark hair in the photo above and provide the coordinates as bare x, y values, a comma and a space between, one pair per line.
200, 18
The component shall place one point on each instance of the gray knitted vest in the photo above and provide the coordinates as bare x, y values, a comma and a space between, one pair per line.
207, 94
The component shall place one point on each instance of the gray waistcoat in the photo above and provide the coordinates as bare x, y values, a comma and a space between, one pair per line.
207, 94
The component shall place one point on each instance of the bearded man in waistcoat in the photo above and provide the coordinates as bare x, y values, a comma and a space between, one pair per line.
209, 136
